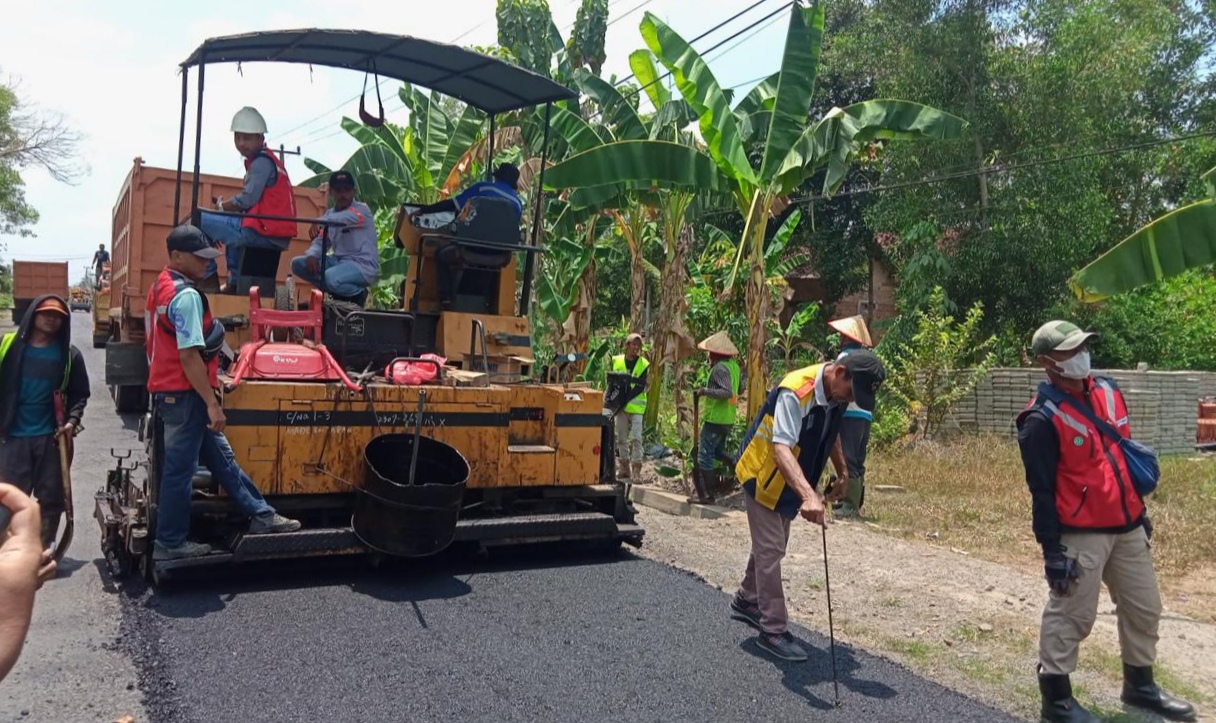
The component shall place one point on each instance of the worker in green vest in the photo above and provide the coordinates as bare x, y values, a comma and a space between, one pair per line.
629, 419
721, 396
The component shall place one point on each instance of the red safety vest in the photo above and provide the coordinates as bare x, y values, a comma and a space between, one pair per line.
1093, 486
278, 199
165, 372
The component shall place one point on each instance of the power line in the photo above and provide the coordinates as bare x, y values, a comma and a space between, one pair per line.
312, 136
720, 25
1006, 168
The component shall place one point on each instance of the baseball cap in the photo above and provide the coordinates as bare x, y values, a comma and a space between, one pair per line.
1059, 336
868, 375
52, 304
192, 240
341, 179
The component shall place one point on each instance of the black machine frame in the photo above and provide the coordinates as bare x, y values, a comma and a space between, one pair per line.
491, 85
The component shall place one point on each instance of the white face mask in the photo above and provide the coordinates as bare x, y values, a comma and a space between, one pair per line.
1075, 368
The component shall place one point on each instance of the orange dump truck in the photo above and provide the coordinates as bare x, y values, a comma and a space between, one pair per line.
32, 279
142, 218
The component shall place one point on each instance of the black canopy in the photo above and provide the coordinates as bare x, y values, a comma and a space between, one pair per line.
489, 84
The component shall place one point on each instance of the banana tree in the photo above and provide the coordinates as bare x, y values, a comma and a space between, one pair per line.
1181, 240
772, 120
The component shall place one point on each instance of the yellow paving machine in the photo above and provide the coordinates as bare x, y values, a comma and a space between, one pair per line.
393, 432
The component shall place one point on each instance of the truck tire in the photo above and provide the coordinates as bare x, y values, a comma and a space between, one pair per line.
99, 340
129, 399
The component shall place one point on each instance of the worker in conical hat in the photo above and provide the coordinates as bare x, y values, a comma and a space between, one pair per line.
855, 427
721, 395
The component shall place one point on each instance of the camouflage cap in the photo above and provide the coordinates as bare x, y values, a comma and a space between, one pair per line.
1059, 336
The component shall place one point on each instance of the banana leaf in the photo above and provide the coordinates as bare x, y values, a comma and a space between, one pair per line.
615, 110
1178, 241
796, 85
642, 63
639, 165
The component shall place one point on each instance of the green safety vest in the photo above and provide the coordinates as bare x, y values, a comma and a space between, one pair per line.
7, 341
722, 411
637, 405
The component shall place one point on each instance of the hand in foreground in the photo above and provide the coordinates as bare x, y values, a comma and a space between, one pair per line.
812, 510
67, 430
21, 554
1060, 572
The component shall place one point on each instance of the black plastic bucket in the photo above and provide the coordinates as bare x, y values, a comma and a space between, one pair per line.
397, 518
614, 392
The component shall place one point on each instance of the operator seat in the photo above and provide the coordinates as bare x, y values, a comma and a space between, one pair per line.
495, 223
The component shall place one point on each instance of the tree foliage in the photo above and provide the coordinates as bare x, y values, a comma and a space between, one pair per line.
30, 138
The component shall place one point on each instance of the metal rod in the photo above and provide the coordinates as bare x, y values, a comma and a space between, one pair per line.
827, 585
537, 217
181, 146
198, 145
490, 153
417, 434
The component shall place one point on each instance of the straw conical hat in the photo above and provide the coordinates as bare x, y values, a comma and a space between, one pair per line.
853, 327
719, 344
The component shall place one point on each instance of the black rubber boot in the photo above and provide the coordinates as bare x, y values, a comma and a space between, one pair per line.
50, 525
1140, 690
1058, 704
701, 484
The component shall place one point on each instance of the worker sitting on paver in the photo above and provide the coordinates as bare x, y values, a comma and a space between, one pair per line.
354, 261
267, 192
448, 256
784, 454
44, 388
183, 342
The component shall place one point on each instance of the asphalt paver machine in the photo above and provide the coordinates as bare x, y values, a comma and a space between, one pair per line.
394, 432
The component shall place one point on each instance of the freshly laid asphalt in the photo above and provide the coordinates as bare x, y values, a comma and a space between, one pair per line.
517, 637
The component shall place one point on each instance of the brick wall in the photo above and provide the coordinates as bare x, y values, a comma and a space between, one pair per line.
1163, 406
884, 301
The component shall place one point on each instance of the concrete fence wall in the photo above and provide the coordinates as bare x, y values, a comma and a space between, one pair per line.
1163, 405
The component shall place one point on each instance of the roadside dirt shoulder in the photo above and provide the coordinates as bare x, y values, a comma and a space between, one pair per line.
970, 624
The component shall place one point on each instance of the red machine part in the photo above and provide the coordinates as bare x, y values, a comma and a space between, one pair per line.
309, 360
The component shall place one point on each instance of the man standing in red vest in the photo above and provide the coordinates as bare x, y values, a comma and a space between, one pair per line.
183, 343
1092, 525
267, 192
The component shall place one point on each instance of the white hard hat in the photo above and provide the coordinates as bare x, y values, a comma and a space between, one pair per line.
248, 120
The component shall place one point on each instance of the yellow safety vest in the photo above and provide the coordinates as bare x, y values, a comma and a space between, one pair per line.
637, 405
757, 467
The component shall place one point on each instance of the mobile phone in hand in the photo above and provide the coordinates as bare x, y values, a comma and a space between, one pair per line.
5, 515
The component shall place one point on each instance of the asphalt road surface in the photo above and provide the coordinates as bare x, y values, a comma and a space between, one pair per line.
517, 637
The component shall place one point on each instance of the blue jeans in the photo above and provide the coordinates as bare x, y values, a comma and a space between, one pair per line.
342, 278
713, 445
187, 442
229, 231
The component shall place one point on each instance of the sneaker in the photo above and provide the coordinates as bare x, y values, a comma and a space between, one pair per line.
263, 524
782, 646
745, 612
184, 550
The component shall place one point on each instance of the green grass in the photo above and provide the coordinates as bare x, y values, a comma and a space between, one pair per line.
6, 301
917, 650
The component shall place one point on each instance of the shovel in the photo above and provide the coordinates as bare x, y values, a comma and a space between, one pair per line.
65, 473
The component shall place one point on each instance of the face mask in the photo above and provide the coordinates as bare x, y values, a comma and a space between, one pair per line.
1075, 368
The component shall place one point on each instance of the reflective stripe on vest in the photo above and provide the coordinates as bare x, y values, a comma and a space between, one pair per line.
722, 411
637, 405
757, 462
278, 199
1093, 486
165, 372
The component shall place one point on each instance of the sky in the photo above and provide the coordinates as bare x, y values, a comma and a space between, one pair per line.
110, 68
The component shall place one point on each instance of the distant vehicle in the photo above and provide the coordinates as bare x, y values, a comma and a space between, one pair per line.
79, 299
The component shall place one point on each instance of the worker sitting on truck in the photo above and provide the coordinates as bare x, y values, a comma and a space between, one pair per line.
448, 255
267, 193
354, 260
183, 342
44, 388
101, 257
